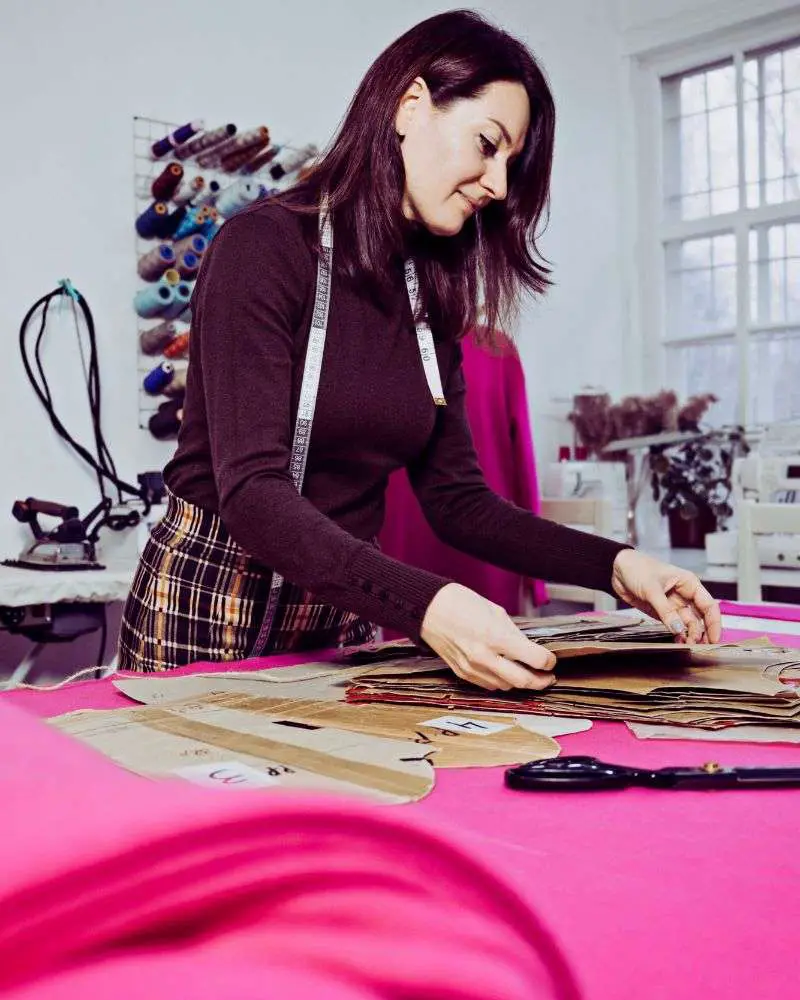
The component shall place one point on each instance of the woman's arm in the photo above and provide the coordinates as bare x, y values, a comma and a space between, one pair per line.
466, 514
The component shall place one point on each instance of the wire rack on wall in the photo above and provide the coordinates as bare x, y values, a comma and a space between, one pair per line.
212, 184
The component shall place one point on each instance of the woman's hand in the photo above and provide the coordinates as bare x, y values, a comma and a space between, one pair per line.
480, 643
674, 595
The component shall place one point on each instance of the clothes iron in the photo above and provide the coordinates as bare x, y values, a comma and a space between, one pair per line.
66, 547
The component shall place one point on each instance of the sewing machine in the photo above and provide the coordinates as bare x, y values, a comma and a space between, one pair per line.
769, 474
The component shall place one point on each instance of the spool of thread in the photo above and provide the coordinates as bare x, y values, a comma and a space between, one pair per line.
153, 264
236, 197
152, 220
176, 385
236, 158
212, 224
156, 300
182, 294
166, 421
196, 244
189, 224
188, 264
261, 160
167, 182
209, 195
177, 348
159, 378
154, 340
244, 140
173, 221
171, 277
292, 161
191, 191
174, 139
205, 141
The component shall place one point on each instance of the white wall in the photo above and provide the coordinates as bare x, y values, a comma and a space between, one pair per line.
646, 25
73, 75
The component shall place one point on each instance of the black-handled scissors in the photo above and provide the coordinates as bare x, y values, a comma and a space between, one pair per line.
568, 774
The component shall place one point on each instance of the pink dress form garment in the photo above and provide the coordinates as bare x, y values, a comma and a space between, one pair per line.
497, 409
114, 885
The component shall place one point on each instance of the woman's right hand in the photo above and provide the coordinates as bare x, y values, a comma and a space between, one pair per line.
480, 643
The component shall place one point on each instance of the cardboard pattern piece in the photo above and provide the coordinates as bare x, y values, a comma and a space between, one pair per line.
709, 687
479, 740
212, 740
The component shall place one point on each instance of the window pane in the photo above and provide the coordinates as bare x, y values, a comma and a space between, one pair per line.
772, 126
693, 94
775, 274
791, 68
701, 164
698, 368
701, 286
695, 174
773, 74
721, 88
774, 387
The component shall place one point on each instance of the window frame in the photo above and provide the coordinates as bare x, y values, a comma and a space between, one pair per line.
652, 228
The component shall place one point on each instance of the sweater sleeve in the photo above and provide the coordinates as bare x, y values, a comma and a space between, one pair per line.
254, 289
469, 516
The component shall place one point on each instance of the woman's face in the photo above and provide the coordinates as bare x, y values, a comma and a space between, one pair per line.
456, 159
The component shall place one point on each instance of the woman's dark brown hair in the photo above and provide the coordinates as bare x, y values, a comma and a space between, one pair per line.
495, 257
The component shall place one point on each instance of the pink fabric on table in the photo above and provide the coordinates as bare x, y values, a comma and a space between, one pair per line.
772, 612
497, 410
113, 885
663, 895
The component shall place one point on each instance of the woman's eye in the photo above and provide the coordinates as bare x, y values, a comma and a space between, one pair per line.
488, 148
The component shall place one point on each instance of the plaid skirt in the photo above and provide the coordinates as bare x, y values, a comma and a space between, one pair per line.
197, 595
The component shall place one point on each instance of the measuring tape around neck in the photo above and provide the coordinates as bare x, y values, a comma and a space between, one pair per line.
310, 384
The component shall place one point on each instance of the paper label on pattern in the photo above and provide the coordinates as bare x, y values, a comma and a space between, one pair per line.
458, 724
227, 774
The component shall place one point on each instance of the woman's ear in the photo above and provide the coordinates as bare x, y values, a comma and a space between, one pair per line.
416, 97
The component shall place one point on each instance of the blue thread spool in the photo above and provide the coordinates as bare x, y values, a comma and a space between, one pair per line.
154, 301
173, 221
155, 381
210, 230
153, 264
152, 220
188, 225
169, 142
196, 244
182, 296
188, 263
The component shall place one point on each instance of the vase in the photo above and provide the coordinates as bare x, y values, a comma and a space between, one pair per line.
690, 533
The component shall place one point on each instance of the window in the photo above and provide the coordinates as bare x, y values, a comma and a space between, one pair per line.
730, 232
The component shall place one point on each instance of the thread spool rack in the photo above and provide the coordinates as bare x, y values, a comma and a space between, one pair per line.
147, 131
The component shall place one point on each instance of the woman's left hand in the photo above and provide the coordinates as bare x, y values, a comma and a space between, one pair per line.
674, 595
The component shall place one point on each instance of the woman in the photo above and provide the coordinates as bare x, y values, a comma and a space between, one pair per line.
432, 193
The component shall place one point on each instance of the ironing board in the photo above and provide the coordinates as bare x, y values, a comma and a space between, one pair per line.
32, 592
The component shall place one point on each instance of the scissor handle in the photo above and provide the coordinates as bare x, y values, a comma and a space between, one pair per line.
572, 774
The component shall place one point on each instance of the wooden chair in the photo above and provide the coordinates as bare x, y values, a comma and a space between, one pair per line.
591, 515
757, 519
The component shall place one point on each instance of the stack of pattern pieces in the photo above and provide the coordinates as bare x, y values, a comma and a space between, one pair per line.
612, 673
